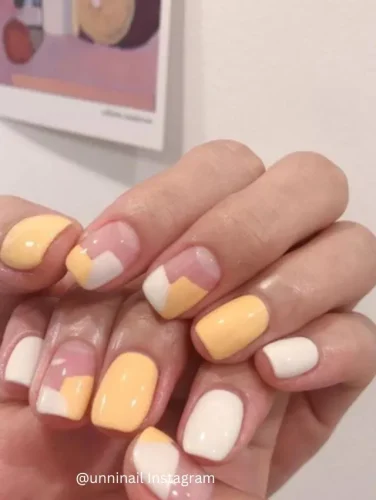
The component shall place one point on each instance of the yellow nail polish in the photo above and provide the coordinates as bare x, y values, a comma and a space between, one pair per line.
126, 393
26, 243
230, 328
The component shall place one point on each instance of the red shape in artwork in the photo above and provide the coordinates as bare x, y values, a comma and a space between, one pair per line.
17, 42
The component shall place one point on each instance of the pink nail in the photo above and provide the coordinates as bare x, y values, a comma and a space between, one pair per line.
182, 282
104, 255
67, 385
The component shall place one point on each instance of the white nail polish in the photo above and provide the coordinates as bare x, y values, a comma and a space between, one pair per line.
51, 402
106, 267
23, 361
156, 287
292, 357
156, 459
214, 425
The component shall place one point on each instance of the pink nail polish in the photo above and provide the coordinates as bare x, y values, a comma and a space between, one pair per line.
104, 255
67, 385
182, 282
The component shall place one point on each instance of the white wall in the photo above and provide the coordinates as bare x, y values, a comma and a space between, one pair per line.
280, 76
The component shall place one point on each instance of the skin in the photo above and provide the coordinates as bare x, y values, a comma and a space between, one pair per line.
286, 421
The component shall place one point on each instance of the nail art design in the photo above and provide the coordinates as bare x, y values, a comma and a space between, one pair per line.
292, 357
232, 326
103, 255
27, 242
182, 282
209, 437
126, 393
23, 361
68, 383
162, 467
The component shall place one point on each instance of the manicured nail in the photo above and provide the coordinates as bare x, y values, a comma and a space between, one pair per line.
214, 425
230, 328
292, 357
27, 242
183, 282
126, 393
160, 464
104, 255
23, 361
68, 383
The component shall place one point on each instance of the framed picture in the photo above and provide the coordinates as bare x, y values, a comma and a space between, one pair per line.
92, 67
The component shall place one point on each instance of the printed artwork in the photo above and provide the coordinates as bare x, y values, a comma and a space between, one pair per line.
98, 50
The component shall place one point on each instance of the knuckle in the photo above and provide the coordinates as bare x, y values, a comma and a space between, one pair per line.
310, 165
227, 153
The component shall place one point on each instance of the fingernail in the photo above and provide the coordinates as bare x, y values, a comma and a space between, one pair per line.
126, 393
67, 385
163, 468
104, 255
27, 242
214, 425
182, 282
23, 361
292, 357
233, 326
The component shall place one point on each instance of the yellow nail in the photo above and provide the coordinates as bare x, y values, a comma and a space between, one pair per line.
26, 243
126, 393
228, 329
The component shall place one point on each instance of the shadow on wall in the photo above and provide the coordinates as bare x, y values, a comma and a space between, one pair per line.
117, 161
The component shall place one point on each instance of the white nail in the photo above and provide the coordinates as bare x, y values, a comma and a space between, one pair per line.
292, 357
156, 287
23, 361
106, 267
214, 425
51, 402
156, 460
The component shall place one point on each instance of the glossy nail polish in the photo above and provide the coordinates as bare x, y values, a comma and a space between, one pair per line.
167, 473
26, 243
126, 393
209, 437
104, 255
23, 361
67, 385
182, 282
233, 326
292, 357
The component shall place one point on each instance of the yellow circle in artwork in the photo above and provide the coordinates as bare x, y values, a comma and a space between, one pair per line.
105, 21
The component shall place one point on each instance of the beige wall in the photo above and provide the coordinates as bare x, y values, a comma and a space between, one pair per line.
280, 76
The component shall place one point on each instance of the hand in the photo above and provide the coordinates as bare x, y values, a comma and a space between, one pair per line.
348, 283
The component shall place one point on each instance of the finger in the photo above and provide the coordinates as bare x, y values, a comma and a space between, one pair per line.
326, 366
144, 361
335, 349
129, 234
163, 470
330, 271
71, 359
239, 399
300, 195
21, 347
34, 243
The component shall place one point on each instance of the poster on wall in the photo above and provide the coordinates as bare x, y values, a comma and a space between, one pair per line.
92, 67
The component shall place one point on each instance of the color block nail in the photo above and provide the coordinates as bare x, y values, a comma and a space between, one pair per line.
183, 282
214, 425
67, 385
292, 357
162, 468
126, 393
27, 242
104, 255
233, 326
23, 361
